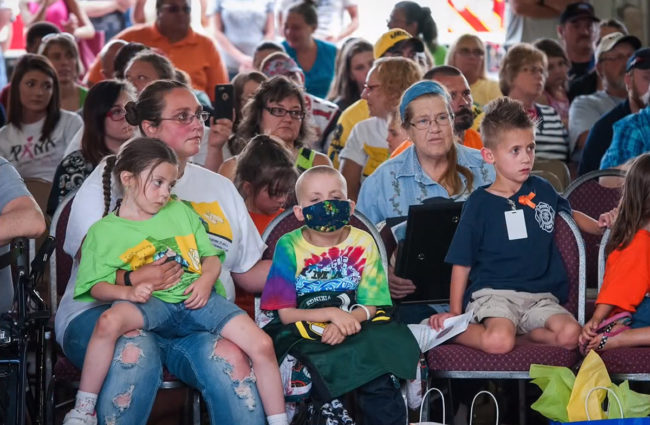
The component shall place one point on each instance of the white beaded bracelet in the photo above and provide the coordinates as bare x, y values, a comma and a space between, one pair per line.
363, 307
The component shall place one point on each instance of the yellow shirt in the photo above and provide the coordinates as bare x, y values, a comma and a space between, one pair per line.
355, 113
484, 90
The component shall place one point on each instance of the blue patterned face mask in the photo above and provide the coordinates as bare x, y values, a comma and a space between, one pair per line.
327, 216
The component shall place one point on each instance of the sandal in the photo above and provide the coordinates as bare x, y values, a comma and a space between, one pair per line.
624, 318
609, 333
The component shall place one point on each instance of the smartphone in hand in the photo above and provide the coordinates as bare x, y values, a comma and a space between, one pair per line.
223, 101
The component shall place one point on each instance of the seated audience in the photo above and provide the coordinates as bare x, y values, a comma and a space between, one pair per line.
557, 78
315, 57
245, 84
106, 59
622, 314
61, 50
511, 276
578, 32
264, 49
521, 77
366, 148
146, 67
38, 130
468, 54
461, 103
637, 80
105, 129
353, 63
611, 56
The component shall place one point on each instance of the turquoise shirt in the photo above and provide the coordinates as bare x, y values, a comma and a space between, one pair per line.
401, 182
321, 74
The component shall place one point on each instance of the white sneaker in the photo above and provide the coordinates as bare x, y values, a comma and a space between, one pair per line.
77, 417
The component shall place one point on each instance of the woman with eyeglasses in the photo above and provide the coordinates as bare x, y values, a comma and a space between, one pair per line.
105, 129
278, 109
366, 147
169, 111
38, 131
433, 167
468, 54
61, 49
522, 76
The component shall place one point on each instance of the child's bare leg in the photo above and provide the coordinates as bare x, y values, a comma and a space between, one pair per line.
496, 335
639, 337
114, 322
560, 330
253, 341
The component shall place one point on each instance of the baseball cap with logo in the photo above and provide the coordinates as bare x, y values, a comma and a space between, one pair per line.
639, 60
390, 39
612, 40
578, 10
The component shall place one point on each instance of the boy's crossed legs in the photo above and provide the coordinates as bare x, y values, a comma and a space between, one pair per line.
506, 318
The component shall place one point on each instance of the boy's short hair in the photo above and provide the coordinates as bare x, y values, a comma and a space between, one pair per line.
322, 170
501, 114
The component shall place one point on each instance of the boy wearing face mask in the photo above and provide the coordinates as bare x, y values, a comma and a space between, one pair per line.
326, 295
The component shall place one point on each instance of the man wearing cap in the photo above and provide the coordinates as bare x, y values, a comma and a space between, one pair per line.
578, 32
461, 102
637, 79
632, 133
611, 57
395, 42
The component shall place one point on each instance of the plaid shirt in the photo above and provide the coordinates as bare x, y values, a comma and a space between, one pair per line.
631, 139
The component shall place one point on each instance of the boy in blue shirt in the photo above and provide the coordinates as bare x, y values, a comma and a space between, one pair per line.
504, 246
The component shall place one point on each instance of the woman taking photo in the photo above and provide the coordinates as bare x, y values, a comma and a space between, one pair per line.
468, 55
61, 50
169, 111
315, 57
522, 76
37, 131
278, 109
105, 129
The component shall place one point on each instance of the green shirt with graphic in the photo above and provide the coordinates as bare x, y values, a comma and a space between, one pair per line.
114, 243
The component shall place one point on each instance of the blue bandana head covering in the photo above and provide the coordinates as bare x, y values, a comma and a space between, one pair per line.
419, 89
327, 216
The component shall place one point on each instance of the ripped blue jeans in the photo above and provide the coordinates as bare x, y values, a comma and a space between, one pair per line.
130, 388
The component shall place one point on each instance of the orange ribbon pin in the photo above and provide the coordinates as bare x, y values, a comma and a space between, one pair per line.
527, 200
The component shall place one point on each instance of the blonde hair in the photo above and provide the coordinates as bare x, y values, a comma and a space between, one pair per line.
453, 49
518, 56
395, 75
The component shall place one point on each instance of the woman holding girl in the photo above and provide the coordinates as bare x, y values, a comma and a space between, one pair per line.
37, 131
148, 220
61, 49
367, 148
622, 314
353, 63
216, 366
105, 129
278, 109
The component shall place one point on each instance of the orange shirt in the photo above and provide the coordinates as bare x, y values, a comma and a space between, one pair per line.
627, 274
472, 140
196, 54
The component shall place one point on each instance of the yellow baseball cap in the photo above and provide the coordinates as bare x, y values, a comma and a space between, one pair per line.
391, 38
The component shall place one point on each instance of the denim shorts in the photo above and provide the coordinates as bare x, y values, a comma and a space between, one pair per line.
174, 320
641, 317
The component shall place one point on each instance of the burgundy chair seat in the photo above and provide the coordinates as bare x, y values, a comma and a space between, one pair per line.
65, 371
456, 357
627, 360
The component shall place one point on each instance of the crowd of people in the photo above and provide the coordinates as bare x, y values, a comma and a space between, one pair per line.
170, 198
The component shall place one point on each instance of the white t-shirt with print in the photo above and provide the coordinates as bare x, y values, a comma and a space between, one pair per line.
367, 145
213, 196
32, 157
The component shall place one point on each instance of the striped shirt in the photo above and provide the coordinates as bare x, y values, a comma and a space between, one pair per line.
551, 137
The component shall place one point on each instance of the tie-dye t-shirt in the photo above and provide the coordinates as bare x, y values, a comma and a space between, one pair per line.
301, 268
114, 243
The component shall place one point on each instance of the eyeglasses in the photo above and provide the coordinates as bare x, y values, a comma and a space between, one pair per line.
533, 69
117, 113
441, 120
471, 52
370, 87
281, 112
617, 58
174, 8
186, 118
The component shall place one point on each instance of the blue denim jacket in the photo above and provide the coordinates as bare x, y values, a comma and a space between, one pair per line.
631, 139
401, 182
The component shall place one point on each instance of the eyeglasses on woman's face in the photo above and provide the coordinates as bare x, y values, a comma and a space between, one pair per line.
116, 113
281, 112
186, 118
425, 123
